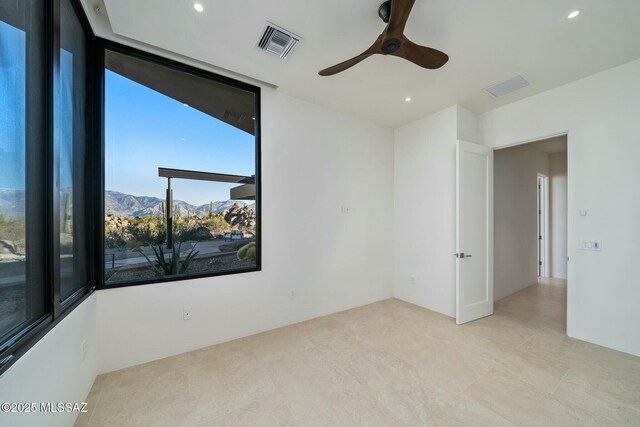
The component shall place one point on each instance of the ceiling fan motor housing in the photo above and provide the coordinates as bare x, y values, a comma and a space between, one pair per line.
384, 11
390, 45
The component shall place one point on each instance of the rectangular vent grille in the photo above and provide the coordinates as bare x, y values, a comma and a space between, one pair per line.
507, 87
277, 41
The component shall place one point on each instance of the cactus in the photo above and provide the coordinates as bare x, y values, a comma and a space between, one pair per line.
164, 214
67, 225
210, 210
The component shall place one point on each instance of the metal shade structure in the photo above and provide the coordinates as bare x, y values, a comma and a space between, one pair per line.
229, 104
245, 191
205, 176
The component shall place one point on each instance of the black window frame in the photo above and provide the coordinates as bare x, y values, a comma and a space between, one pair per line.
47, 187
108, 45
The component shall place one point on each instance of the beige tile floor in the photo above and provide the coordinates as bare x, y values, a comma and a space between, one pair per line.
386, 364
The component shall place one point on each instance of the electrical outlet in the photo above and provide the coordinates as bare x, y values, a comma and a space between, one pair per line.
345, 210
83, 350
292, 293
186, 313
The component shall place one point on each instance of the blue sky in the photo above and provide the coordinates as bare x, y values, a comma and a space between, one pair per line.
145, 130
12, 107
13, 110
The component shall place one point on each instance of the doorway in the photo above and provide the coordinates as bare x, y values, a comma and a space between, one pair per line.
530, 223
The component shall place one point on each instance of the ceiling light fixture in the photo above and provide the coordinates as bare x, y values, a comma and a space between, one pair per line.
407, 99
573, 14
198, 7
186, 105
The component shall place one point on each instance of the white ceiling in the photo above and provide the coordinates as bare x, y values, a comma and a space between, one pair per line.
488, 41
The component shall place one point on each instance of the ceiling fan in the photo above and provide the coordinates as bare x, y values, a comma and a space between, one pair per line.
392, 41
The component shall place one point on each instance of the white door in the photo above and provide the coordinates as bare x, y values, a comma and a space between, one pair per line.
474, 232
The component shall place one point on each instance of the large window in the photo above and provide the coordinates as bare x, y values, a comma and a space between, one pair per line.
70, 146
44, 131
181, 190
116, 168
22, 123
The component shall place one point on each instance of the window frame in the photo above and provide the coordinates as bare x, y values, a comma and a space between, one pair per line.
99, 182
56, 309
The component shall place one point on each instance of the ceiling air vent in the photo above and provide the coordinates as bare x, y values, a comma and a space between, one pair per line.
507, 87
277, 41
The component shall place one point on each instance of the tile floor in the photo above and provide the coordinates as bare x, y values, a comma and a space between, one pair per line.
386, 364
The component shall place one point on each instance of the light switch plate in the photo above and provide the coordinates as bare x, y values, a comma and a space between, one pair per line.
590, 245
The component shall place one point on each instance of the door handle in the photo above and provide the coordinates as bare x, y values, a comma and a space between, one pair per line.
462, 255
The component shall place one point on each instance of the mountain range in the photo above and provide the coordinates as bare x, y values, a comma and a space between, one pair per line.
12, 203
120, 204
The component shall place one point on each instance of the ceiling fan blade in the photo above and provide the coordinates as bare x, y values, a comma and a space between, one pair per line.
375, 48
345, 65
400, 10
423, 56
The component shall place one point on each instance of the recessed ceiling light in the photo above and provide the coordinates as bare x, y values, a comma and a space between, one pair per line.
407, 99
573, 14
198, 7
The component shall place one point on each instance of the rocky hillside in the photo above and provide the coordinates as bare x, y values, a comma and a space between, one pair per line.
240, 216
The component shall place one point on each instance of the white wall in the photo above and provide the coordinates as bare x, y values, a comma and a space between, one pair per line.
600, 114
53, 370
314, 161
467, 126
515, 210
558, 214
424, 200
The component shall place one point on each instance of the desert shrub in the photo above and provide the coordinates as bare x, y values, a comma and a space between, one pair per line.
148, 230
251, 254
151, 230
115, 237
217, 225
11, 229
199, 227
185, 229
247, 252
